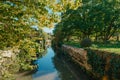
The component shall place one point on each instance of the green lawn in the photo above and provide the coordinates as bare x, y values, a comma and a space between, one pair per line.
113, 50
73, 43
113, 47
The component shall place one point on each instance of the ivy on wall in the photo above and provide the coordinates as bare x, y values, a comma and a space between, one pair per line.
98, 62
115, 66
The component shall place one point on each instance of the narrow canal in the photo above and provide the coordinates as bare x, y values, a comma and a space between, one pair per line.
51, 67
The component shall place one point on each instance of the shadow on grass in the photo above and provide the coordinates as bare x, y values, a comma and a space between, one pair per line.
110, 44
107, 45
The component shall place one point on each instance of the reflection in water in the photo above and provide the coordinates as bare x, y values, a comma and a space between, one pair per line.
51, 67
46, 69
64, 72
67, 69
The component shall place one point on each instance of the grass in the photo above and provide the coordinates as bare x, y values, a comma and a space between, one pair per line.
112, 46
73, 43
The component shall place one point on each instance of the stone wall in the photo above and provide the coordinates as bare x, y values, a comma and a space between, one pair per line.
100, 64
7, 63
77, 54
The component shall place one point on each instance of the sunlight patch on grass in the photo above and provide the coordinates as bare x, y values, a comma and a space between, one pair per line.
109, 47
112, 50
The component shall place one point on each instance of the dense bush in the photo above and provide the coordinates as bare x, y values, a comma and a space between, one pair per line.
96, 62
28, 51
86, 42
115, 66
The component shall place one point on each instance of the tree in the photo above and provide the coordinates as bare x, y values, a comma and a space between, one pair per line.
94, 18
16, 20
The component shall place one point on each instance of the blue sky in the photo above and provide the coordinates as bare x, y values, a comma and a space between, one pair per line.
48, 30
45, 29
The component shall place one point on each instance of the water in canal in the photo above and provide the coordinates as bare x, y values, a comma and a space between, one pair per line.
51, 67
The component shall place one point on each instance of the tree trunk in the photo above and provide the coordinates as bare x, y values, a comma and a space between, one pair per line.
96, 37
117, 39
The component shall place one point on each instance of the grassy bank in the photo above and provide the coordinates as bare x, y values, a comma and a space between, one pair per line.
113, 47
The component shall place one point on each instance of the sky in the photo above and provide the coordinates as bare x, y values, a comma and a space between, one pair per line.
48, 30
45, 29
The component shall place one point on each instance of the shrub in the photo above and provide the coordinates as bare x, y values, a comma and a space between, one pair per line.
97, 63
86, 42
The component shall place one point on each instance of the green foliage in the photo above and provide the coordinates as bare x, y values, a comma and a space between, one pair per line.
98, 19
97, 63
115, 66
86, 42
28, 51
73, 43
16, 21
